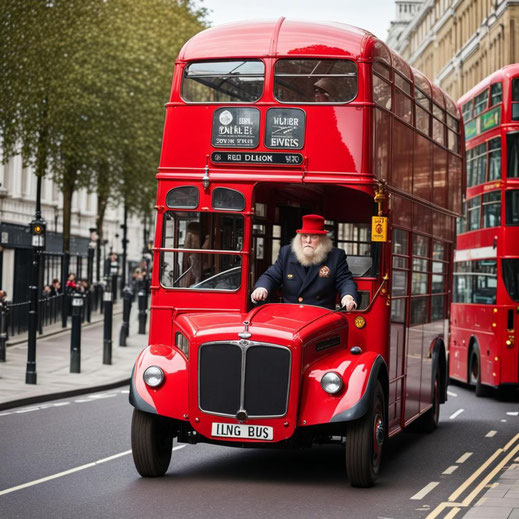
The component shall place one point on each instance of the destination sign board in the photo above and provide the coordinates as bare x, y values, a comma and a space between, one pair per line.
274, 159
285, 128
236, 127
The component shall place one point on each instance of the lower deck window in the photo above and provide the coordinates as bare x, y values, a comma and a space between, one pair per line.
475, 282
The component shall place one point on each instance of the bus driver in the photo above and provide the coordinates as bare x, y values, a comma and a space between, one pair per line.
310, 270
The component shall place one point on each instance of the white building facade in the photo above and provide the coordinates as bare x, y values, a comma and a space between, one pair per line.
17, 209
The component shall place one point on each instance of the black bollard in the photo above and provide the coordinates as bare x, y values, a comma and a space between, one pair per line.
88, 300
127, 308
75, 333
3, 331
141, 295
107, 329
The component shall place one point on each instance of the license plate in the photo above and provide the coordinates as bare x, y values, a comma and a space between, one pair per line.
248, 432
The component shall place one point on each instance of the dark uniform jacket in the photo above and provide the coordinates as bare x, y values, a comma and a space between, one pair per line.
318, 286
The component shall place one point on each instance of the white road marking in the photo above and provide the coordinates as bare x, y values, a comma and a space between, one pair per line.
124, 391
503, 421
27, 410
512, 413
425, 490
71, 471
450, 393
490, 434
450, 469
5, 414
59, 404
464, 458
458, 412
83, 400
102, 395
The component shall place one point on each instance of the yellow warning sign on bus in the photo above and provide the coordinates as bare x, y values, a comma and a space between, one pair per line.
379, 228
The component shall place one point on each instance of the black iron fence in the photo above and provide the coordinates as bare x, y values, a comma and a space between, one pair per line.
52, 310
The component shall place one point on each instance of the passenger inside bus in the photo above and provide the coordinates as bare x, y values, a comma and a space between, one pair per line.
324, 91
310, 270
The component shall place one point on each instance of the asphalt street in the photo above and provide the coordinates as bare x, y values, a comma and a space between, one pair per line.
72, 458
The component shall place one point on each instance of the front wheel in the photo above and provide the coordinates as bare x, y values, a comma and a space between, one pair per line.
364, 441
152, 443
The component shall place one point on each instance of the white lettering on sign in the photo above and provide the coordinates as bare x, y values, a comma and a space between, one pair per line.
284, 121
258, 158
284, 142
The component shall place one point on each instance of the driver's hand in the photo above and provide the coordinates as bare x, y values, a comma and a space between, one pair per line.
348, 303
260, 294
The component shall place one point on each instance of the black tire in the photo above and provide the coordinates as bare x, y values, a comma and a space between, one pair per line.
429, 420
152, 443
364, 441
475, 372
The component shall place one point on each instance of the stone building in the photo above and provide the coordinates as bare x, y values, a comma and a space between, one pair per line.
457, 43
17, 208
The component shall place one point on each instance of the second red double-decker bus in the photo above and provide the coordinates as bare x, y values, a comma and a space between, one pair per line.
484, 319
267, 122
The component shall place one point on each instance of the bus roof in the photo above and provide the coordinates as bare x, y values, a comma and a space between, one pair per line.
507, 73
280, 37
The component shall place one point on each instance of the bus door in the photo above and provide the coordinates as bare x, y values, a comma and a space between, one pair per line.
399, 305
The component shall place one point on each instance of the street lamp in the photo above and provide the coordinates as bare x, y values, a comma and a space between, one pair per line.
38, 228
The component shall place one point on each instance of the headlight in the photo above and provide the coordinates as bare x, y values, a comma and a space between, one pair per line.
331, 382
153, 376
182, 344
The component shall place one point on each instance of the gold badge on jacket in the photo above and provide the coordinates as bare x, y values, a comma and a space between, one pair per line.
324, 272
290, 276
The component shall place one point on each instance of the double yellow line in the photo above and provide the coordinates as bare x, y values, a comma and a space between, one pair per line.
509, 451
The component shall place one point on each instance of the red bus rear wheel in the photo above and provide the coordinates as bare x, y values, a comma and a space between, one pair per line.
152, 442
475, 371
364, 441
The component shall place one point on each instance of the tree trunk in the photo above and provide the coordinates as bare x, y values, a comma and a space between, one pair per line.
102, 203
69, 186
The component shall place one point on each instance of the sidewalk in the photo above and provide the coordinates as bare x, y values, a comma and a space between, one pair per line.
54, 379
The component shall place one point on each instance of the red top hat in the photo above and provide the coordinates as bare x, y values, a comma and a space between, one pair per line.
313, 224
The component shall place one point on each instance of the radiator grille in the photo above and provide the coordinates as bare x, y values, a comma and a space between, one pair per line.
244, 375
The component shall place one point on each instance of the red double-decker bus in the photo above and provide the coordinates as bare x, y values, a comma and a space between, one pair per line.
267, 122
483, 350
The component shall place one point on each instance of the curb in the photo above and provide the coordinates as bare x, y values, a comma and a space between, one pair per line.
62, 394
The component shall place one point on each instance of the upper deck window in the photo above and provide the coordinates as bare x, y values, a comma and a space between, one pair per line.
315, 81
496, 93
515, 99
466, 111
233, 81
512, 143
480, 102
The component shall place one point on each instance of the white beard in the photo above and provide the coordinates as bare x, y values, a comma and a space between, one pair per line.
317, 256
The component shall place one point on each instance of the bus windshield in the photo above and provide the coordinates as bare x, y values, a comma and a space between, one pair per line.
217, 266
